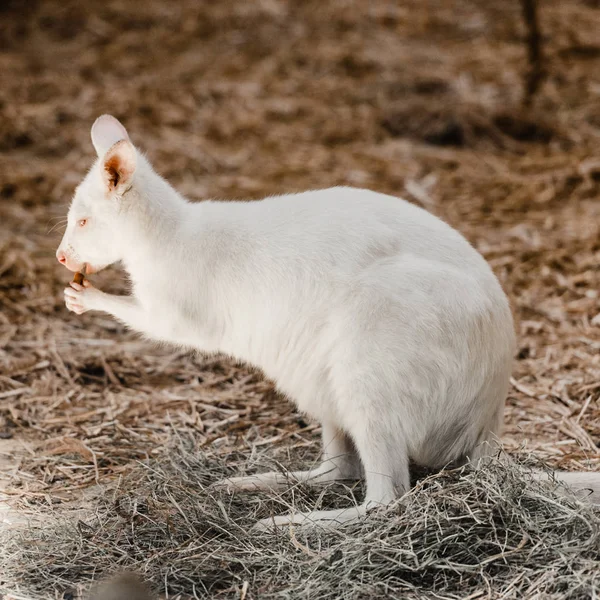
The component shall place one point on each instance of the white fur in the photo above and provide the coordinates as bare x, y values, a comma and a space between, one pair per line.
106, 132
372, 315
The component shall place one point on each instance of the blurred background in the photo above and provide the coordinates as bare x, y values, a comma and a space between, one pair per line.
481, 112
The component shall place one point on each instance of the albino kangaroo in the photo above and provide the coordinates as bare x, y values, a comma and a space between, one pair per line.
374, 316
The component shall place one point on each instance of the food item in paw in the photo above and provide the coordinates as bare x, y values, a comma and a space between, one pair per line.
80, 276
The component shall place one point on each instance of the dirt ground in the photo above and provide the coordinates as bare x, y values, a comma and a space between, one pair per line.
244, 99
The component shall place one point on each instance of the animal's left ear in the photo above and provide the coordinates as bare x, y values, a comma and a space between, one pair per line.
106, 132
118, 166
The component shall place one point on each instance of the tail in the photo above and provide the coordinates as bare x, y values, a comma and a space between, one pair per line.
583, 484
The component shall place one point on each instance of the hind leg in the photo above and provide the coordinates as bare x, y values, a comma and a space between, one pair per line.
339, 462
386, 467
488, 442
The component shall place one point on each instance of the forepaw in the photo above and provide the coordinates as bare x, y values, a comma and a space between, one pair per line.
81, 298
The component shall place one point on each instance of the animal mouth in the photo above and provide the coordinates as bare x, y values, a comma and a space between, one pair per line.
76, 267
72, 267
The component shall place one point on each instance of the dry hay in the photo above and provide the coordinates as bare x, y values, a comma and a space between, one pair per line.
493, 533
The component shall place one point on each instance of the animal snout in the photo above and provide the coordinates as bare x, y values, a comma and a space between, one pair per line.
61, 257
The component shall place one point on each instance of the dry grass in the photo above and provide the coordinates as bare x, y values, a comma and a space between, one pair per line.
458, 534
422, 99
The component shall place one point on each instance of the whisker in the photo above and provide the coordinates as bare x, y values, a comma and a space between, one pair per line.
55, 226
59, 221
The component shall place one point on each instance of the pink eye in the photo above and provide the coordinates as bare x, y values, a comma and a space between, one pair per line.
82, 222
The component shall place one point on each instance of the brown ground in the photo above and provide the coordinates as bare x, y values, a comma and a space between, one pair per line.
240, 100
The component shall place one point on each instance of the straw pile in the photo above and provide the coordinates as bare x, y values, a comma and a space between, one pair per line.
241, 100
459, 534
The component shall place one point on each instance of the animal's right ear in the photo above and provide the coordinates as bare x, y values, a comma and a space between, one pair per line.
106, 132
118, 167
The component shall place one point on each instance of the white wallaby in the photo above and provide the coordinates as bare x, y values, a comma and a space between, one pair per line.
374, 316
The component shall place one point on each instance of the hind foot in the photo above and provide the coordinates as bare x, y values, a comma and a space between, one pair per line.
319, 518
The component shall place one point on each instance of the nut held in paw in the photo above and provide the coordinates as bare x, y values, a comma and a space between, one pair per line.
80, 275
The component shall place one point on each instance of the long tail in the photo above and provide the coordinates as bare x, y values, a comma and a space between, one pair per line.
585, 485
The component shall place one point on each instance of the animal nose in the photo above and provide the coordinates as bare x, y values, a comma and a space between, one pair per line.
60, 255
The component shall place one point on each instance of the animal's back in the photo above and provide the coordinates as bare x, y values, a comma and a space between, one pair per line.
308, 248
350, 227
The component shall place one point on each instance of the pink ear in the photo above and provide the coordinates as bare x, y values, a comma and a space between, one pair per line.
119, 166
106, 132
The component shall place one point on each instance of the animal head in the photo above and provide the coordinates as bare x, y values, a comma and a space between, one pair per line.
92, 236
